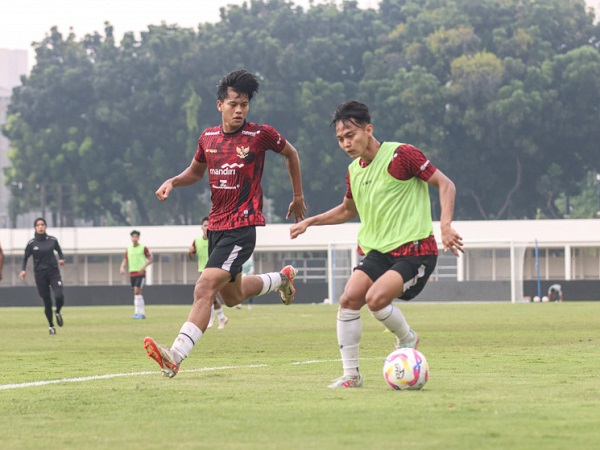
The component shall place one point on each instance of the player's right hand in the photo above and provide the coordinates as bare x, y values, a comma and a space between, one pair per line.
164, 190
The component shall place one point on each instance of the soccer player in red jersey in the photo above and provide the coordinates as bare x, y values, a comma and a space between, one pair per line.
233, 154
387, 186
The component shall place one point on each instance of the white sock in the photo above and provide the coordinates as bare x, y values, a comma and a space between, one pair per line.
138, 304
220, 313
185, 341
349, 332
271, 282
394, 320
141, 305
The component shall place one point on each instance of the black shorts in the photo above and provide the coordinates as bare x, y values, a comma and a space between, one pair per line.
138, 281
230, 249
49, 279
415, 270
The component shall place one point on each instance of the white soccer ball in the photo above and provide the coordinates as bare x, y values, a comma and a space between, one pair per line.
536, 299
545, 299
406, 368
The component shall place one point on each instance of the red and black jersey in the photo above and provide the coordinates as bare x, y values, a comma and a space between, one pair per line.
235, 163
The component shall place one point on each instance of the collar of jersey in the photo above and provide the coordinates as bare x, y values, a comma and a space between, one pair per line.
233, 132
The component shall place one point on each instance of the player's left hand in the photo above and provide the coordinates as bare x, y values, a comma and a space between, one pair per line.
297, 208
298, 228
452, 240
61, 262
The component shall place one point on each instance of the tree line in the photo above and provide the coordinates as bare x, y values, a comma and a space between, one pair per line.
502, 95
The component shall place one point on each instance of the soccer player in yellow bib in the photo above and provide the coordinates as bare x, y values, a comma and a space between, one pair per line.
137, 257
200, 248
387, 186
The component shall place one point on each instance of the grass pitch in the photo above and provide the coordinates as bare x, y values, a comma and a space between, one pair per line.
523, 376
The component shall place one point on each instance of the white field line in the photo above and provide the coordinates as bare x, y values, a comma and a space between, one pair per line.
116, 375
135, 374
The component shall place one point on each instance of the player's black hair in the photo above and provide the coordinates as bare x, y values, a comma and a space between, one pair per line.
37, 220
135, 232
352, 112
204, 219
240, 81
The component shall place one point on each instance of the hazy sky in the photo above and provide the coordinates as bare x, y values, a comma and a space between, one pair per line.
25, 21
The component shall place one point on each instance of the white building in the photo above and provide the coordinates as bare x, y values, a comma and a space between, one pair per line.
499, 264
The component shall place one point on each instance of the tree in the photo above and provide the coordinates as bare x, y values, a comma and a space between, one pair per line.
502, 96
47, 127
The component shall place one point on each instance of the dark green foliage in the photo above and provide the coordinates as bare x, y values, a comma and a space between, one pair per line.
503, 96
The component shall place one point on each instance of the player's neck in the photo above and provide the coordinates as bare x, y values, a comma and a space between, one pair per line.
371, 151
227, 129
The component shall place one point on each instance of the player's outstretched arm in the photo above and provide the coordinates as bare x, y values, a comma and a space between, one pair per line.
297, 207
340, 214
192, 174
450, 238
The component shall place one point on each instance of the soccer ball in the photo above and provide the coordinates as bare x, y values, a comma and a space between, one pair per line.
406, 368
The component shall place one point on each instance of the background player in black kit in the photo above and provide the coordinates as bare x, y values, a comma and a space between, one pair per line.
45, 270
233, 156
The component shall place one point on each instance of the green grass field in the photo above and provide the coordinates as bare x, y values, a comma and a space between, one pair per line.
502, 376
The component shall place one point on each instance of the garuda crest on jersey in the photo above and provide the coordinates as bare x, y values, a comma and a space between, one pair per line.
242, 152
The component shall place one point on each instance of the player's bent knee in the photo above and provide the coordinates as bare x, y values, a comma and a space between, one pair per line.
378, 302
349, 302
203, 292
229, 302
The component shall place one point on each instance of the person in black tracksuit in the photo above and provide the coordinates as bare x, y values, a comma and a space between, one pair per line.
45, 269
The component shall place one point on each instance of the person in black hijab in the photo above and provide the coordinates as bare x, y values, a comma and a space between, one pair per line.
46, 272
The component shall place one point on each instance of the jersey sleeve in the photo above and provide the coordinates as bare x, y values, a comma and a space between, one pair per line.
272, 139
409, 162
26, 256
147, 252
58, 249
200, 156
348, 187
